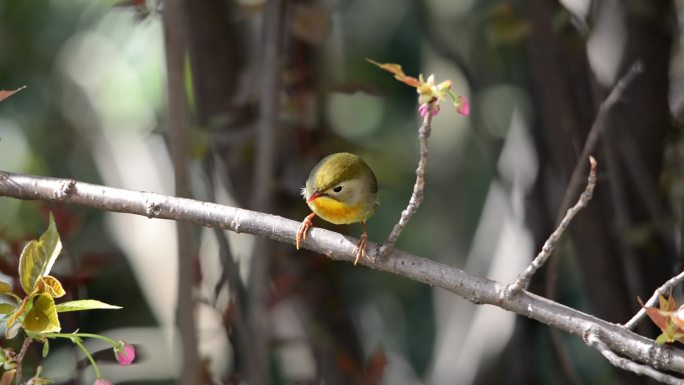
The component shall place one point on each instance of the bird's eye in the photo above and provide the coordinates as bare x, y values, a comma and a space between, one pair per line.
337, 189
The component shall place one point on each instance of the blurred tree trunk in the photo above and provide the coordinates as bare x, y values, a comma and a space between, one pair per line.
229, 112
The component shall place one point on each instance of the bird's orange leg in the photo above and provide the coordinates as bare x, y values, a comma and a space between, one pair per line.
361, 246
303, 229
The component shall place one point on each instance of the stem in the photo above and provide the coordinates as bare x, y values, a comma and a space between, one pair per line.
90, 358
112, 342
544, 254
20, 356
418, 188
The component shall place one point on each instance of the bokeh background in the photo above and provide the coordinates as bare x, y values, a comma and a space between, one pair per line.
535, 72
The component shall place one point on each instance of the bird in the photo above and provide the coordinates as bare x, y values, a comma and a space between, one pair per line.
341, 189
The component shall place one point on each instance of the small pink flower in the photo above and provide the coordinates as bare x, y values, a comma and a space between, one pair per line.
125, 353
102, 381
426, 108
462, 105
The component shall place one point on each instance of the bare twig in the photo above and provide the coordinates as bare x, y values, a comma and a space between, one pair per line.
597, 128
174, 43
662, 290
593, 339
524, 278
338, 247
20, 357
574, 184
418, 190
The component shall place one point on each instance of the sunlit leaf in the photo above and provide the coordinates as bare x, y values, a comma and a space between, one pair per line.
661, 339
38, 257
46, 348
50, 285
17, 313
662, 302
83, 304
6, 94
671, 304
12, 332
5, 287
6, 308
42, 318
658, 317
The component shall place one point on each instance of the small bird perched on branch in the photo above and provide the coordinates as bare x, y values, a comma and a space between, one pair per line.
341, 189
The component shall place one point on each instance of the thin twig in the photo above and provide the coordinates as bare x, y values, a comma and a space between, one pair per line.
595, 131
524, 278
593, 339
418, 190
597, 128
662, 290
20, 357
338, 247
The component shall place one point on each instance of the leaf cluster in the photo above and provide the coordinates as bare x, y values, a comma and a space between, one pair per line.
668, 318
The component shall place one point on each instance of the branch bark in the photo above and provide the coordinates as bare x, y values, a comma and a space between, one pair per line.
338, 247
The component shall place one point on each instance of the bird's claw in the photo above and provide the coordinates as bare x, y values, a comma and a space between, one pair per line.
303, 229
361, 248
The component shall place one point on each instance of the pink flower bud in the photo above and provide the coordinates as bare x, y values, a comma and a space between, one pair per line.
463, 106
125, 353
430, 108
102, 381
423, 110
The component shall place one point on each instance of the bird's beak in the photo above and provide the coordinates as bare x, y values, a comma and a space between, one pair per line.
314, 196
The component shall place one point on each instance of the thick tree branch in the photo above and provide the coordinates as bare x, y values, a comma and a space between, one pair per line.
338, 247
594, 340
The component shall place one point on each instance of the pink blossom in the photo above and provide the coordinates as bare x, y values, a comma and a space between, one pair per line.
102, 381
125, 353
426, 108
463, 106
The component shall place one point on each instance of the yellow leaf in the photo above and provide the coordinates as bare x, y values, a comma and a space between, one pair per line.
50, 285
38, 256
17, 313
5, 287
6, 308
42, 318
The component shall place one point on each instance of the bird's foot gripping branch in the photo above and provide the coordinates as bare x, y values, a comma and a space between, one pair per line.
36, 313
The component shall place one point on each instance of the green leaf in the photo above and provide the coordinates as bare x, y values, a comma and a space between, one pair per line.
46, 348
84, 304
38, 257
5, 287
7, 308
661, 339
42, 318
